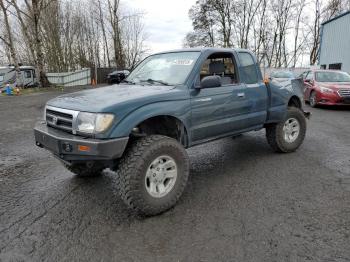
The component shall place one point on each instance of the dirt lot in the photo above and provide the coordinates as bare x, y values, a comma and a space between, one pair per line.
243, 202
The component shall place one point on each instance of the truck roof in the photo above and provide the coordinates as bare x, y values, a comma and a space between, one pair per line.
203, 49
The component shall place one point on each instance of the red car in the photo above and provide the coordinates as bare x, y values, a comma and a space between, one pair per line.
326, 87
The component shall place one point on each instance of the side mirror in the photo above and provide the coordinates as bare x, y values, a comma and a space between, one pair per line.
210, 82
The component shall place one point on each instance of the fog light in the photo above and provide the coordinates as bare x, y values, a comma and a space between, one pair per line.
67, 147
83, 148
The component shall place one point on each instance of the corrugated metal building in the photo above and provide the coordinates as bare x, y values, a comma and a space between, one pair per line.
335, 43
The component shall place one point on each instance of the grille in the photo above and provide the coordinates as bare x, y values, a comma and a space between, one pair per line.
59, 120
344, 92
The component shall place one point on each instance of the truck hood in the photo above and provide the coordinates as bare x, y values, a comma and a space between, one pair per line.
110, 98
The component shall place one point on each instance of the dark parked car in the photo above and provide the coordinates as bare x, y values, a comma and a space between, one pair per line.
281, 76
169, 102
117, 76
326, 87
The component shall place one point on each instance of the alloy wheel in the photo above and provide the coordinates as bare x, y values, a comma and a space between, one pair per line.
161, 176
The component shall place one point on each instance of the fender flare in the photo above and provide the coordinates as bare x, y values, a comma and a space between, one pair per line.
180, 110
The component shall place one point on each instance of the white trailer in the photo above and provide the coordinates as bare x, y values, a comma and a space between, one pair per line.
27, 76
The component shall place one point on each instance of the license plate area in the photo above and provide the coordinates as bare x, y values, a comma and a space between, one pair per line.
346, 100
48, 142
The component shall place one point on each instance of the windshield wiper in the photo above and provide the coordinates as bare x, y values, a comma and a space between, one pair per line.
128, 82
152, 81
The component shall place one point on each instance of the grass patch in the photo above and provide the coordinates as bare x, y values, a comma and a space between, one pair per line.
32, 90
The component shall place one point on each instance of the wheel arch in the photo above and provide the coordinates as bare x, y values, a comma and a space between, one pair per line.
163, 124
174, 111
294, 101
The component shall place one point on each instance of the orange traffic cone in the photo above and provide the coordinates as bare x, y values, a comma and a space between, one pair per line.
93, 82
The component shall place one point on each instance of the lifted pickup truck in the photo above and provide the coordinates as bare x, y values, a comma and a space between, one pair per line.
169, 102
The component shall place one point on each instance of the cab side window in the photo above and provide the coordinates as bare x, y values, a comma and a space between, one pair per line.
248, 68
221, 64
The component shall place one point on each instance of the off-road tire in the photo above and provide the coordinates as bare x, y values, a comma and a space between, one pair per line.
275, 135
134, 165
82, 170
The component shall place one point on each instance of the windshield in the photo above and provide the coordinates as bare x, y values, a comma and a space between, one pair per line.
332, 77
283, 74
169, 68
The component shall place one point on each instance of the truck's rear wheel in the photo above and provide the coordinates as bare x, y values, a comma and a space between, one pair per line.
289, 134
153, 174
84, 169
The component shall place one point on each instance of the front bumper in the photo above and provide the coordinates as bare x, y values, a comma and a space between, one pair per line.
333, 103
332, 99
69, 147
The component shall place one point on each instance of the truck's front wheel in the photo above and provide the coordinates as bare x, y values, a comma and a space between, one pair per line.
153, 174
289, 134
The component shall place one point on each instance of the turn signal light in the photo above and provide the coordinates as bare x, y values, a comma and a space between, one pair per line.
83, 148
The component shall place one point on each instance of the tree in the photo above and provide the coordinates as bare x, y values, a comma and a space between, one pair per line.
102, 22
29, 18
9, 40
298, 9
133, 40
57, 35
280, 31
114, 19
203, 23
36, 10
315, 33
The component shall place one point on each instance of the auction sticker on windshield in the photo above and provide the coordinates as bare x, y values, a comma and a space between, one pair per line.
183, 62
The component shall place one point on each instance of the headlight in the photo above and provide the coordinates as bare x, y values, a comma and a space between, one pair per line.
326, 90
103, 122
91, 123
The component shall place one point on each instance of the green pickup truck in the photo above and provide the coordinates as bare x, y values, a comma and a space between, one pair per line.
171, 101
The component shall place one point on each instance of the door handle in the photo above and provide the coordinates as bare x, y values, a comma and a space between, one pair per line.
241, 95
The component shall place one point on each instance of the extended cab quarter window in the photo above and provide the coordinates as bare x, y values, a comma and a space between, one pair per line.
248, 68
221, 64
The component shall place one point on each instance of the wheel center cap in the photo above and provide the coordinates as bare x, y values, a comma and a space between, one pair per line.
159, 176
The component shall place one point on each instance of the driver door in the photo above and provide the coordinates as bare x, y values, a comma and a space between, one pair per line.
215, 111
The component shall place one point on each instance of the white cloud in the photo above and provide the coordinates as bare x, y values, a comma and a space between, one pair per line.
166, 22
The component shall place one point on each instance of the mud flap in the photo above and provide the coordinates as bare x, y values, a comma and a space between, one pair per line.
307, 114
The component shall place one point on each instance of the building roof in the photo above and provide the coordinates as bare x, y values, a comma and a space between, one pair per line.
335, 18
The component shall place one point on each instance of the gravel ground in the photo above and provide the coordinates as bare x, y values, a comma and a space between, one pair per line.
242, 203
